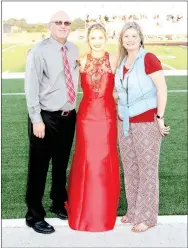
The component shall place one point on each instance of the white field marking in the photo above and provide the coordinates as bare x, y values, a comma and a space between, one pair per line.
13, 75
80, 92
166, 57
170, 67
5, 49
171, 91
22, 94
175, 72
13, 94
21, 75
184, 46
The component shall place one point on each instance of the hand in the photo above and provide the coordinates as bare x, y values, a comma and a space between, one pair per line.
39, 130
164, 130
115, 95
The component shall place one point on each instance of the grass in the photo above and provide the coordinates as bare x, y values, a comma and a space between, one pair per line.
6, 45
173, 159
24, 37
17, 85
14, 58
166, 52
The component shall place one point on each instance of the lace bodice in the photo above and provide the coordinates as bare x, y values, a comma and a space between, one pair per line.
96, 68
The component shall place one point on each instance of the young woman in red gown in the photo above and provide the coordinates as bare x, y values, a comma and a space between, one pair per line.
94, 180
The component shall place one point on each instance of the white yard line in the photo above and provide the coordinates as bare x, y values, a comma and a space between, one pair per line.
80, 92
13, 94
13, 75
171, 91
166, 57
175, 72
170, 67
22, 94
5, 49
21, 75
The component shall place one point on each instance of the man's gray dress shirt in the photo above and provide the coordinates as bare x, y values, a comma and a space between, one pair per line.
45, 86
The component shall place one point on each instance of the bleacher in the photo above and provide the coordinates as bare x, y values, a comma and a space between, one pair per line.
155, 28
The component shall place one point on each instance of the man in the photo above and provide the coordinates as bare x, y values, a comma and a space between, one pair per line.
51, 82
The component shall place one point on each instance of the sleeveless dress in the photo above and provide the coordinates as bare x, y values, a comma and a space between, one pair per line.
94, 179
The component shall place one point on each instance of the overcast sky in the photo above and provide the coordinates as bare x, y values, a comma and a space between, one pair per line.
36, 12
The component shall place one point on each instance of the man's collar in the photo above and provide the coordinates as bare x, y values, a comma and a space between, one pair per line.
57, 44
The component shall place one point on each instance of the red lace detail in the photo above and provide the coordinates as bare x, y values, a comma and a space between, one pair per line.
96, 67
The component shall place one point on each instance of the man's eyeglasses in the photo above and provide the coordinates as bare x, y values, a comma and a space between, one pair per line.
59, 23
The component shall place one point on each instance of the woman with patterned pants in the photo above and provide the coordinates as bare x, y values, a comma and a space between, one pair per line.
142, 94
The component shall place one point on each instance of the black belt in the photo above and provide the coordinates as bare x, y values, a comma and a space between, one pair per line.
59, 112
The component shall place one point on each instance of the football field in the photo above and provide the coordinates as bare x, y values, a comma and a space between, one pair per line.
173, 159
171, 57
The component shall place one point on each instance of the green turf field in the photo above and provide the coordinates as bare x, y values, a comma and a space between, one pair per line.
176, 57
173, 160
4, 46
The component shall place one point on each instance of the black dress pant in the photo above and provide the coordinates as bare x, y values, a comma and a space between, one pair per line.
56, 145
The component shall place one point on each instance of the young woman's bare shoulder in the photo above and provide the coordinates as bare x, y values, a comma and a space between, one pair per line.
83, 60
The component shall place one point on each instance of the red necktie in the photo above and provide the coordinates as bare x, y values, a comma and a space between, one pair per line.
68, 78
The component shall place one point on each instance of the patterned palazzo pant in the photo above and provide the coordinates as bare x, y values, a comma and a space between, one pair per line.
140, 157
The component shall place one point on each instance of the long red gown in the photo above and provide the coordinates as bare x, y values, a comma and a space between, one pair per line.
94, 180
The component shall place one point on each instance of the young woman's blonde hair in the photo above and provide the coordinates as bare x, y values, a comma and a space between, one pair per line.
122, 51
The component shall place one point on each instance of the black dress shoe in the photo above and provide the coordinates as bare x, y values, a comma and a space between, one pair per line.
40, 226
60, 213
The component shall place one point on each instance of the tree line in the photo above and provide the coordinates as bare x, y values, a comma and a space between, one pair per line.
78, 23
